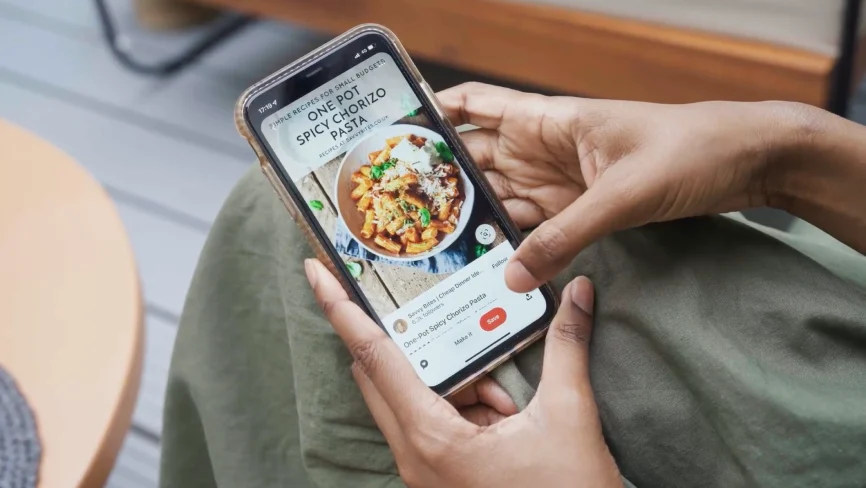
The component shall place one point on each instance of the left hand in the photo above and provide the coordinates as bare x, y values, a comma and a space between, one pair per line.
581, 169
555, 441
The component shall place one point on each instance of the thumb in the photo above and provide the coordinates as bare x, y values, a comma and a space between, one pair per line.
565, 401
551, 247
566, 350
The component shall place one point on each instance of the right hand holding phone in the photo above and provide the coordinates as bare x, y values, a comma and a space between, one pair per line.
581, 168
555, 441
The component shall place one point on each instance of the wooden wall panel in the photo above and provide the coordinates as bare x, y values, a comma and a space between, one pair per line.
573, 52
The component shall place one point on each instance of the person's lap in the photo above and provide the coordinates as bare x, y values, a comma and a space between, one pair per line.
720, 357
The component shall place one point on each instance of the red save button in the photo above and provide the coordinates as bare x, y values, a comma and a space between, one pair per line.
493, 319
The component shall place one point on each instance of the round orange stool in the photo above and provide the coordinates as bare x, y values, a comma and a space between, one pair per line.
70, 308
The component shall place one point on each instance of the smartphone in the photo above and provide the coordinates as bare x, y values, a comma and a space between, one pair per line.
360, 152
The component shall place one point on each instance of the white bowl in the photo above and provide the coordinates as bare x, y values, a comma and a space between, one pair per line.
357, 157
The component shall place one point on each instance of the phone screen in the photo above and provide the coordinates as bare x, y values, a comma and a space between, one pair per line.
389, 189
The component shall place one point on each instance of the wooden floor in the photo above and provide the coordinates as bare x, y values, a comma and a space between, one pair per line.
165, 149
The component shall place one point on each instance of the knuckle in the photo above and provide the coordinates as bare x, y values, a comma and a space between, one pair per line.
368, 357
575, 333
590, 153
549, 242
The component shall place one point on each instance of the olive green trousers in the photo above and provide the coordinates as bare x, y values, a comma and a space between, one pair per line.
722, 355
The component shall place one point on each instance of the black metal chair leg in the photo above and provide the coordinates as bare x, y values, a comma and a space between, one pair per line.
843, 72
163, 68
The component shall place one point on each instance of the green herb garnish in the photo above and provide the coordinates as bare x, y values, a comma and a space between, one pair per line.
480, 250
376, 172
425, 217
355, 269
406, 206
316, 205
444, 152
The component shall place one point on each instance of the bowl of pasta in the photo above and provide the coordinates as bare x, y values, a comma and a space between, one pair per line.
401, 193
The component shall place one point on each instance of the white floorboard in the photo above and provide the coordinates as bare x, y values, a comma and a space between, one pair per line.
78, 65
183, 176
82, 69
79, 13
159, 339
263, 48
166, 253
78, 19
137, 464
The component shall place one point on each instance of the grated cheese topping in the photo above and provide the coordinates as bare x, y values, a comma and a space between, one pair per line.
425, 164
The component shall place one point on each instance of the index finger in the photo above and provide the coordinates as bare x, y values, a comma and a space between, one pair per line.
477, 104
374, 353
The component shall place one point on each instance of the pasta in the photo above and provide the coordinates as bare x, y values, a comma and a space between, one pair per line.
409, 195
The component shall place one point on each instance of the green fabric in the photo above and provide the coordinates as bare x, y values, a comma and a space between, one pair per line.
838, 258
721, 357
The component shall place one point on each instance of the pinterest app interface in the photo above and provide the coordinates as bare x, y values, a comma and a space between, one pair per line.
464, 316
420, 239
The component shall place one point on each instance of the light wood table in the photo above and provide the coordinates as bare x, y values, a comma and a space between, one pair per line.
70, 308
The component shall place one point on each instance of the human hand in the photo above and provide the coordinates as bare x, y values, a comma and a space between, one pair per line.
582, 168
483, 402
556, 441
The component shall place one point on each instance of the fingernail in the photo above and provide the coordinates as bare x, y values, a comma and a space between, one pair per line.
310, 269
582, 294
518, 278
